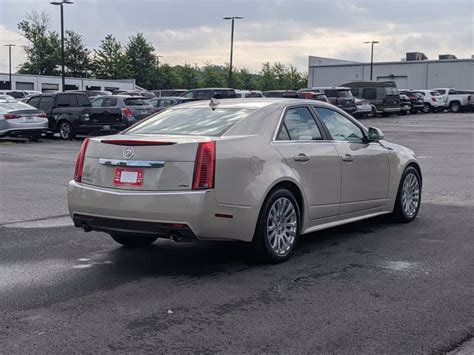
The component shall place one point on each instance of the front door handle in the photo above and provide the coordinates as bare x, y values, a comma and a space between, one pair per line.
301, 157
347, 158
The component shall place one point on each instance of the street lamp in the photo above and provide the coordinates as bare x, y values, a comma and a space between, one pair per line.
371, 56
233, 18
10, 63
158, 60
61, 3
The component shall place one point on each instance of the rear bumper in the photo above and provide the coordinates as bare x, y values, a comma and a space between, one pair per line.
156, 213
100, 128
391, 109
348, 109
22, 131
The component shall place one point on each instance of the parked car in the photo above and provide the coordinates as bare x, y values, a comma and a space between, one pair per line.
20, 119
17, 94
169, 92
312, 95
142, 93
416, 100
364, 109
208, 93
405, 104
339, 96
456, 100
161, 103
92, 93
72, 113
133, 108
221, 176
383, 95
242, 94
288, 94
433, 101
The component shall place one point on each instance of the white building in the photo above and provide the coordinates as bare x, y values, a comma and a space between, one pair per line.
407, 74
43, 82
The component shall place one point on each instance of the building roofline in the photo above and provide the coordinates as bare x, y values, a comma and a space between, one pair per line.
69, 77
396, 62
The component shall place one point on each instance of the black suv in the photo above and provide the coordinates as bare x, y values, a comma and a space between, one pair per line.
338, 96
208, 93
383, 95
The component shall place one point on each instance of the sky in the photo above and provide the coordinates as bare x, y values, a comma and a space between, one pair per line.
286, 31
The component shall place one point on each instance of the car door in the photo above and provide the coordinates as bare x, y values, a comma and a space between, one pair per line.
315, 160
364, 165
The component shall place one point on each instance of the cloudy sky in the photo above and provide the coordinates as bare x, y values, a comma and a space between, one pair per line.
192, 31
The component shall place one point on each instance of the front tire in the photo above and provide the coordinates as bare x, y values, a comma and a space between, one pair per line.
278, 227
132, 241
408, 199
426, 108
66, 131
455, 107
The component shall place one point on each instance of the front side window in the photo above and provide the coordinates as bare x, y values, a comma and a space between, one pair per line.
66, 101
97, 102
82, 100
340, 127
45, 103
299, 124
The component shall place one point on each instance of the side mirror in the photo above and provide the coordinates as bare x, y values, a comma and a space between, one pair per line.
375, 134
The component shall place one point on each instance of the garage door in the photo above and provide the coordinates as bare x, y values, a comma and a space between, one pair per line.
21, 85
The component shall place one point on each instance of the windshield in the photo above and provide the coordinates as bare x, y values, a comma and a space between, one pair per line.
192, 122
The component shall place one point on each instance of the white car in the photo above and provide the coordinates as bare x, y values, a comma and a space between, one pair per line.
242, 94
263, 171
434, 102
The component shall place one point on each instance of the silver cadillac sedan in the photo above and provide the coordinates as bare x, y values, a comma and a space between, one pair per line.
263, 171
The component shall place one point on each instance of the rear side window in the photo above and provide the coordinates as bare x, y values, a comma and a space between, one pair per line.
202, 95
45, 103
369, 93
66, 101
135, 102
192, 122
299, 124
34, 101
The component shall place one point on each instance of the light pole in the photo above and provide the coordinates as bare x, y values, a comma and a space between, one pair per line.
233, 18
371, 56
158, 61
61, 3
10, 63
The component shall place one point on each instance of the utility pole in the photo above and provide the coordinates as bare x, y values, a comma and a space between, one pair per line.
10, 64
371, 56
233, 18
61, 3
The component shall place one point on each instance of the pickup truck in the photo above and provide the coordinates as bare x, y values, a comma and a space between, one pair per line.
72, 113
456, 100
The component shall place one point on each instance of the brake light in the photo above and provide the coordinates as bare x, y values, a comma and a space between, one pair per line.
205, 166
10, 116
43, 114
433, 99
134, 143
126, 112
80, 161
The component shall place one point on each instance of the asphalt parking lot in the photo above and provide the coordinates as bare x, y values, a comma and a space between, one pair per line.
369, 287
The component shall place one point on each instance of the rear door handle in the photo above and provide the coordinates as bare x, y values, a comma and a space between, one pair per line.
347, 158
301, 157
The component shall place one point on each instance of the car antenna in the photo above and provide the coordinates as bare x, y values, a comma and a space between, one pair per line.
214, 103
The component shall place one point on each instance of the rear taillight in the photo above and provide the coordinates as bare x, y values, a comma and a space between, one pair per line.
126, 112
10, 116
42, 114
80, 161
433, 99
205, 166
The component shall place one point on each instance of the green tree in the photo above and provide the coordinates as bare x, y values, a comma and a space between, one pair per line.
213, 76
267, 78
43, 47
245, 80
76, 55
110, 61
167, 77
190, 76
141, 60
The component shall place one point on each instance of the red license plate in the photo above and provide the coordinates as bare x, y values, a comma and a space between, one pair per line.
128, 177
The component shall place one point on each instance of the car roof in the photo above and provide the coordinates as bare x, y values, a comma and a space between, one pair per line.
210, 89
251, 103
172, 97
329, 88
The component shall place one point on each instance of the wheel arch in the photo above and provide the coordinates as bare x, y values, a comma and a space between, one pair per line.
415, 165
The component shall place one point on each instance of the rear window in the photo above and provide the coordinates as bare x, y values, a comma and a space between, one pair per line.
192, 122
338, 93
135, 102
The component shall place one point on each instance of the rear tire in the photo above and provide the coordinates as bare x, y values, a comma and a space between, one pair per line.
426, 108
278, 227
132, 241
66, 131
408, 199
455, 107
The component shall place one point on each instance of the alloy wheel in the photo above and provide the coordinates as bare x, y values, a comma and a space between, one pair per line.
410, 195
282, 224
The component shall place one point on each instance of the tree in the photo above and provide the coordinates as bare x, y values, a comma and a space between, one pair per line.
167, 77
245, 80
76, 55
213, 76
43, 49
267, 78
141, 60
189, 76
110, 61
